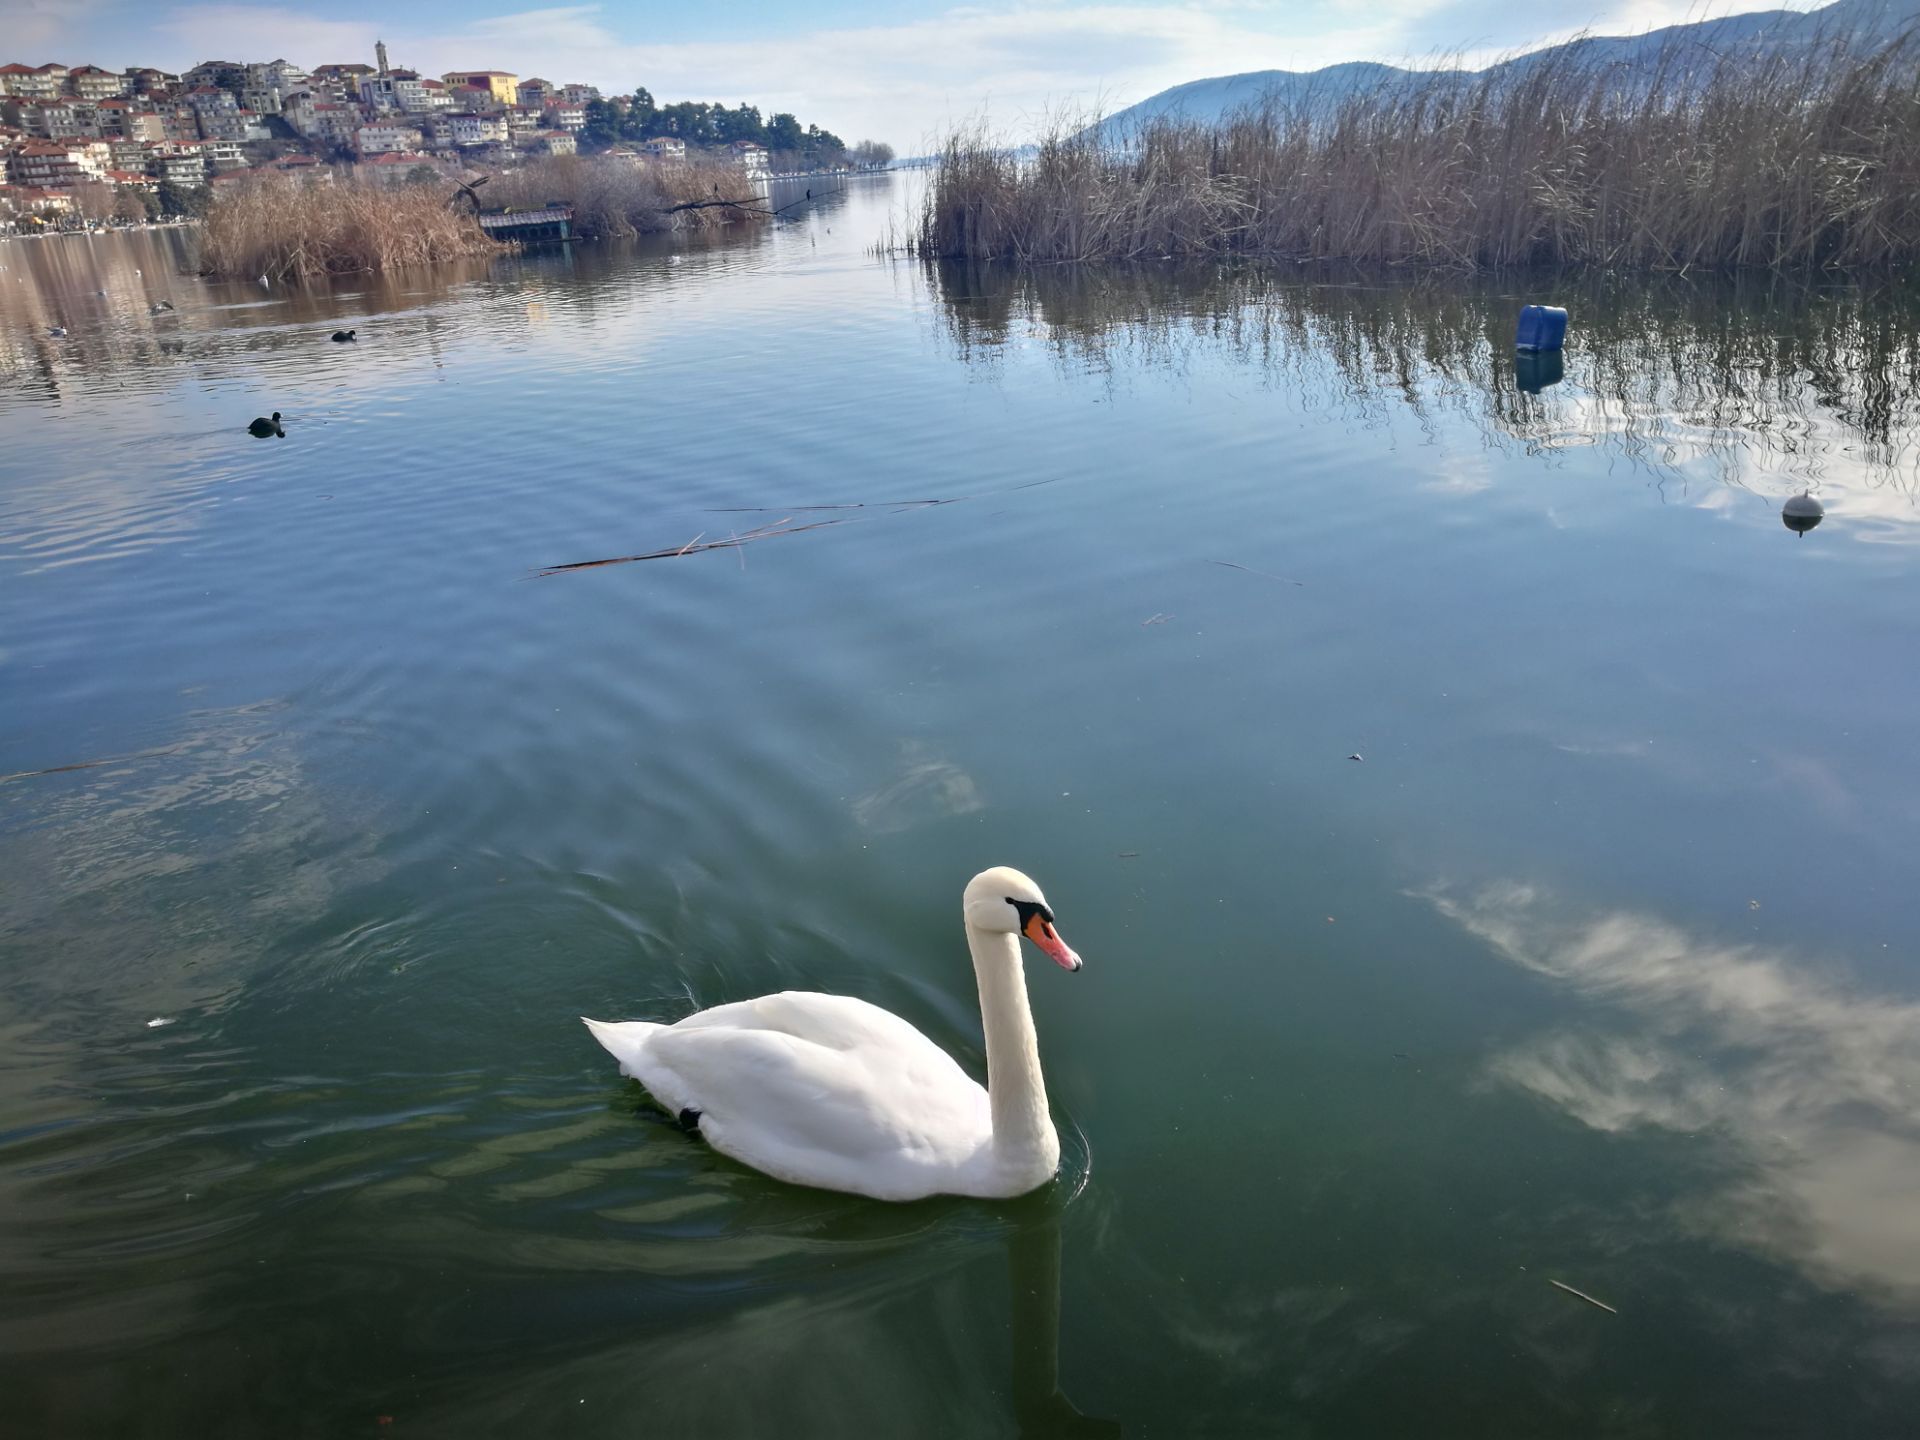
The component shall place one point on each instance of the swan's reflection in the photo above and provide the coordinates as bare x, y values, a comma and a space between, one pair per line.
1033, 1281
842, 1317
1813, 1086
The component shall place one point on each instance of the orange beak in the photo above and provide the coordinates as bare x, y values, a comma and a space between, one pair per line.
1048, 939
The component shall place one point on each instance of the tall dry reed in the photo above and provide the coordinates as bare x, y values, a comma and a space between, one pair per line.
1802, 158
288, 230
613, 197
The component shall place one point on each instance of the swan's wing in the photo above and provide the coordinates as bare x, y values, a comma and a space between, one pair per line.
823, 1090
838, 1022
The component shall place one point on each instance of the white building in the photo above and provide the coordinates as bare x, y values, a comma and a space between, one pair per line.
61, 119
383, 139
59, 164
426, 97
239, 125
34, 82
324, 122
210, 97
476, 129
90, 82
178, 162
751, 156
664, 147
565, 115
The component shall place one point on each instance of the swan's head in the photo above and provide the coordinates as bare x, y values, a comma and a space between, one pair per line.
1003, 900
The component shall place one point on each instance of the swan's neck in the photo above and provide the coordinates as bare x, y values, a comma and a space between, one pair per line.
1023, 1132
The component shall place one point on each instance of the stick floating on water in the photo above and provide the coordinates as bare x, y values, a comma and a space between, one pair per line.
1582, 1295
1251, 571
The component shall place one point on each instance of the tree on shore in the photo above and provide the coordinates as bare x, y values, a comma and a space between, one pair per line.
702, 123
93, 200
187, 200
871, 154
131, 204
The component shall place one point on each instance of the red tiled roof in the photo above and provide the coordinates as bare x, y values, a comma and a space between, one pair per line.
16, 69
47, 68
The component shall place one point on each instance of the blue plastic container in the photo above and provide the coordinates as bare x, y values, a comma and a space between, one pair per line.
1542, 327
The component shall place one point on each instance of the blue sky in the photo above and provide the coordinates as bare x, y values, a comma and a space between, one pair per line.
858, 67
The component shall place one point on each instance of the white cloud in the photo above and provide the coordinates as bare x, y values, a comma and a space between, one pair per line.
1812, 1088
244, 33
906, 81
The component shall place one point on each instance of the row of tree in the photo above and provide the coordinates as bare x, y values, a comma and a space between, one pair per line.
698, 122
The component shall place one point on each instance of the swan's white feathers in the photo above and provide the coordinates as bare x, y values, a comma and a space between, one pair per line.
821, 1090
830, 1091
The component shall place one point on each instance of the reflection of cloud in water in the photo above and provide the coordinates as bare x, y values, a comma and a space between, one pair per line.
156, 880
928, 788
1814, 1088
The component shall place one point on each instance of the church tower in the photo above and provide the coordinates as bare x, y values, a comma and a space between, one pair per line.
380, 54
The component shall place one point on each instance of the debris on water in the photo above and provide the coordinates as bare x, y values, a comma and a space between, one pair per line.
698, 545
1156, 619
1753, 904
1582, 1295
159, 1020
1251, 571
1356, 756
91, 764
1129, 854
783, 526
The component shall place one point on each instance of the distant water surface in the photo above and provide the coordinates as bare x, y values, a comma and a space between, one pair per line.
1491, 834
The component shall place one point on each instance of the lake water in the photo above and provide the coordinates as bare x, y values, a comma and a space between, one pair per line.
1597, 968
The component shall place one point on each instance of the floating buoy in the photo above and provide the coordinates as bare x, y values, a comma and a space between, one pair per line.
1802, 513
1542, 327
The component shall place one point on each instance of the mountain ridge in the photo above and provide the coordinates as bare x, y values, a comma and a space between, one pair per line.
1210, 100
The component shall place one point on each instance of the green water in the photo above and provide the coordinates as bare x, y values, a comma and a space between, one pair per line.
1598, 967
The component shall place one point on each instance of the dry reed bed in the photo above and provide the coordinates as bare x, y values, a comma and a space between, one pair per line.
286, 230
614, 198
1803, 159
289, 230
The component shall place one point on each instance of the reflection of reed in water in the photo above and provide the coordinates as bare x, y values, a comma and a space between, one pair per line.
1752, 375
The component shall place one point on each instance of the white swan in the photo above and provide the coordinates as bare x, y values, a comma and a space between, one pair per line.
830, 1091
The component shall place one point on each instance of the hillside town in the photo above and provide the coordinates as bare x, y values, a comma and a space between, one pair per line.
86, 144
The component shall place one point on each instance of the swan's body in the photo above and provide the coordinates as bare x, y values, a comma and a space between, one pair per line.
830, 1091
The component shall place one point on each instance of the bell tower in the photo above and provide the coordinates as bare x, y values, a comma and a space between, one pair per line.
380, 54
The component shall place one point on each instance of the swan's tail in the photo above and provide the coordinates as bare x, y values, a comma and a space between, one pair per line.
625, 1040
